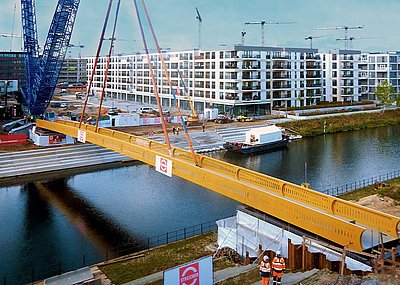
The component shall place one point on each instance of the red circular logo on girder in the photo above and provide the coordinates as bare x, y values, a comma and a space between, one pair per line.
189, 275
163, 165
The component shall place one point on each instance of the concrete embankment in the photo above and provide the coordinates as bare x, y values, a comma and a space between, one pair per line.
29, 165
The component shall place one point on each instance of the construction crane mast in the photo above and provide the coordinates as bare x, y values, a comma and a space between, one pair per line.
310, 38
263, 23
42, 71
198, 17
350, 40
346, 32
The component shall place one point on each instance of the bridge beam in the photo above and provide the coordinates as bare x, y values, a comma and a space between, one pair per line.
334, 219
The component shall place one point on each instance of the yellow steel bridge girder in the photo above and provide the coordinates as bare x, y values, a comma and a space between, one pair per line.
248, 187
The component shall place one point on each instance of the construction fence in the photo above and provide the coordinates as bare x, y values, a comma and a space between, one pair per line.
343, 189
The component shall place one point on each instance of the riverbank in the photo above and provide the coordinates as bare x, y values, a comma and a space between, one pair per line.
343, 123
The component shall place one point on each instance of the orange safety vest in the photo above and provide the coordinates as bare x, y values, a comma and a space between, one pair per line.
278, 264
265, 267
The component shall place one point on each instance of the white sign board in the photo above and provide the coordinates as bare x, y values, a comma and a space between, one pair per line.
81, 136
164, 165
199, 272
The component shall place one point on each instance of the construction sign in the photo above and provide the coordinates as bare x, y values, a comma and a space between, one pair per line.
199, 272
81, 136
164, 165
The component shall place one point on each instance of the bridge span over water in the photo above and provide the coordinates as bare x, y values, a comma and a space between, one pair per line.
342, 222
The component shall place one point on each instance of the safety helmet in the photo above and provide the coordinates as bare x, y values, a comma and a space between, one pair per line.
265, 258
278, 253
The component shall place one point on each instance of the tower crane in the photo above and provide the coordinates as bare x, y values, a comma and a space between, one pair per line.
263, 23
42, 71
349, 40
310, 38
198, 17
12, 36
346, 31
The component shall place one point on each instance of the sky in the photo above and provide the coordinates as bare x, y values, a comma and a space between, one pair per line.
223, 21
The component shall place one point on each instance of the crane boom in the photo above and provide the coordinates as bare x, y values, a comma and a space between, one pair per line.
262, 23
42, 74
193, 118
28, 15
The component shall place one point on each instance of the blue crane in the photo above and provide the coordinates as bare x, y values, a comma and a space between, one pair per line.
42, 71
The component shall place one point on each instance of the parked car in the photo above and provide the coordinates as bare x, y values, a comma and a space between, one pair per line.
145, 109
55, 104
222, 119
244, 119
80, 95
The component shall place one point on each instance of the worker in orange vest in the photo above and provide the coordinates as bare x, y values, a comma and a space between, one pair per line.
278, 266
265, 270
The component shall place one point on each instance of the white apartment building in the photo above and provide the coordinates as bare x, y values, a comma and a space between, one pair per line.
340, 75
376, 67
247, 80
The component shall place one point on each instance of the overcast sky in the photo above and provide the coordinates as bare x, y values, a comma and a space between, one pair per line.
177, 28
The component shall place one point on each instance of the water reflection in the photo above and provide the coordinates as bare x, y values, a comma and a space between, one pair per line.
100, 229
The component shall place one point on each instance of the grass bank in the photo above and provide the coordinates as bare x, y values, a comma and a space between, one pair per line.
344, 123
391, 190
164, 257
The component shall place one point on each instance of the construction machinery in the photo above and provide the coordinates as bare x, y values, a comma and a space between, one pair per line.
193, 118
198, 17
346, 32
42, 71
263, 23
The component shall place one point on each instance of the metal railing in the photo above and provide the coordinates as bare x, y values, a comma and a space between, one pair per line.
33, 274
343, 189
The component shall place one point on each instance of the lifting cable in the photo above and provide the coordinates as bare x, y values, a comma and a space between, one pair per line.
107, 65
95, 61
169, 83
153, 81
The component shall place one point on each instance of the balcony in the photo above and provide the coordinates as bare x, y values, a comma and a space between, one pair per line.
231, 65
281, 66
250, 76
279, 75
347, 74
281, 85
312, 66
251, 66
231, 77
348, 66
313, 75
247, 88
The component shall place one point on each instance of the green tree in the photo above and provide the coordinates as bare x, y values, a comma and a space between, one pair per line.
384, 93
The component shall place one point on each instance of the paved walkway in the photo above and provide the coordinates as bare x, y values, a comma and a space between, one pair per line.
294, 278
219, 276
224, 274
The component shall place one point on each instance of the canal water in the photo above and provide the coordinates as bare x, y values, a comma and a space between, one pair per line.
64, 223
